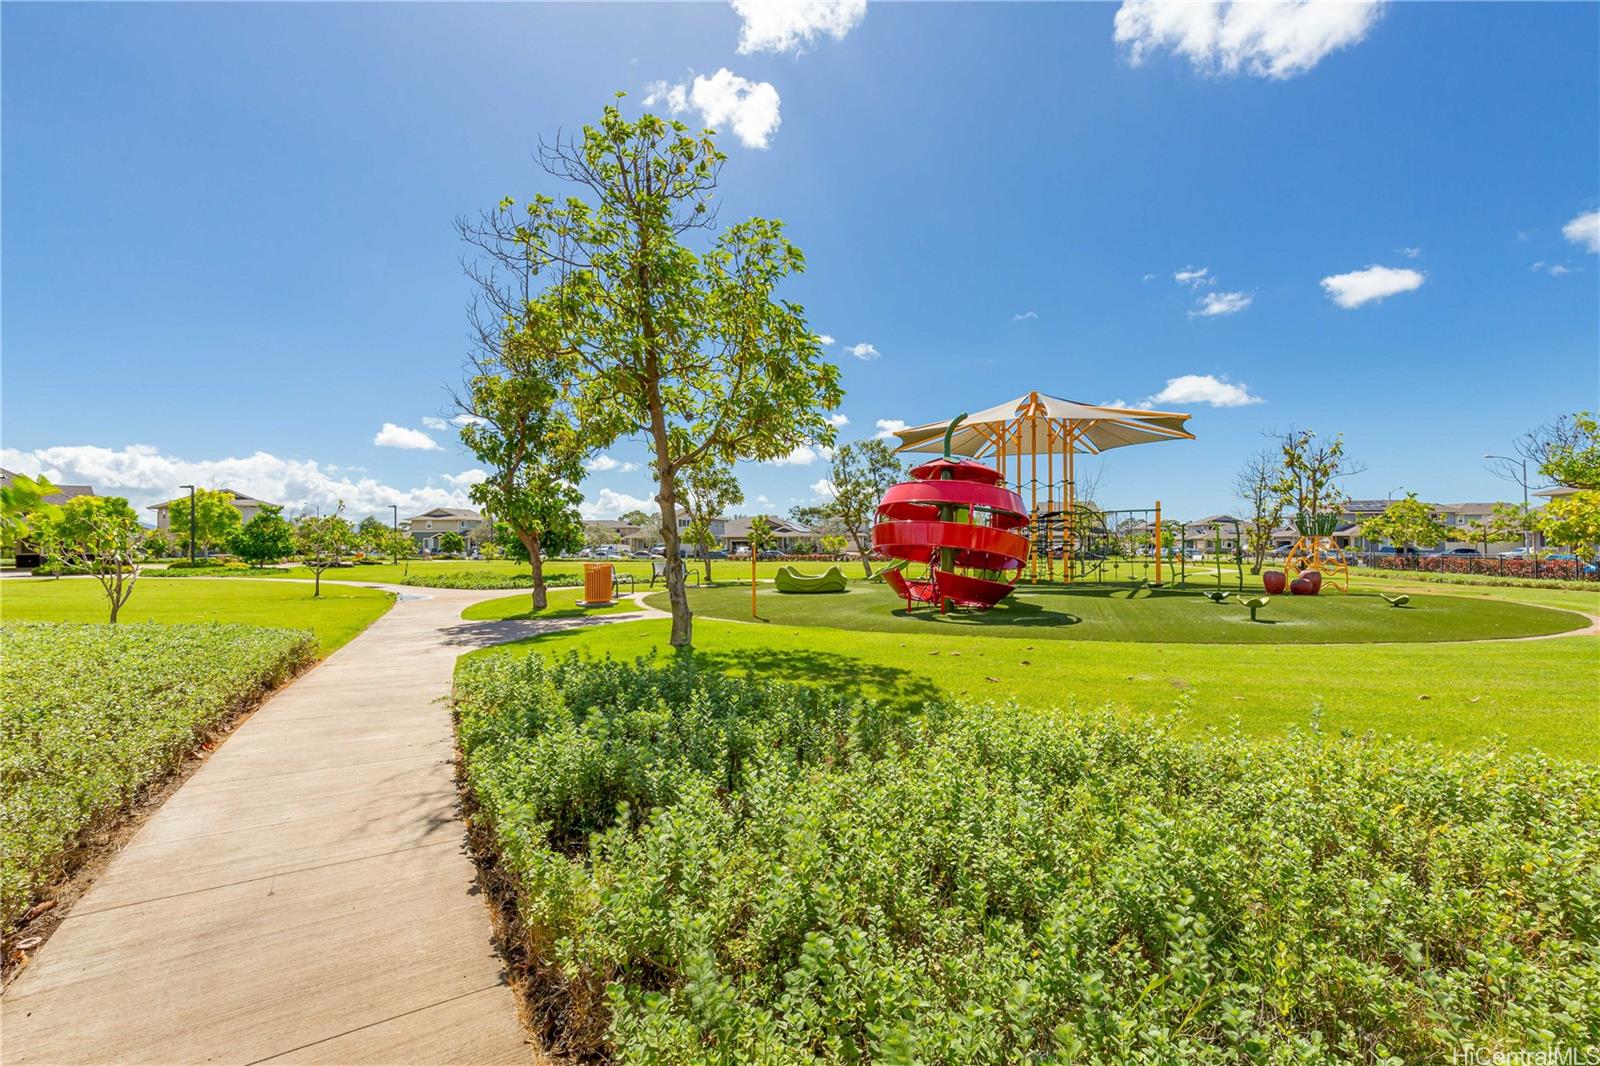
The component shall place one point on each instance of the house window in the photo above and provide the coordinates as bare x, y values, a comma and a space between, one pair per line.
427, 525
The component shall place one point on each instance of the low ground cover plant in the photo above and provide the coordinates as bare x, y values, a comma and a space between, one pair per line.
93, 712
487, 579
202, 568
716, 870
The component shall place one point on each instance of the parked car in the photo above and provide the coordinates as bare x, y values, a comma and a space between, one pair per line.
716, 553
642, 554
1463, 551
771, 553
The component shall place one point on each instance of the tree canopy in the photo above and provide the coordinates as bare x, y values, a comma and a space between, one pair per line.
1407, 523
862, 472
689, 347
215, 519
267, 538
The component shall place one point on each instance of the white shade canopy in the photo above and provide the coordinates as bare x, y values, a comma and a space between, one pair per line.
1038, 424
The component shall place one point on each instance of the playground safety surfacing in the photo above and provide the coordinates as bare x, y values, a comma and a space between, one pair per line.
1141, 614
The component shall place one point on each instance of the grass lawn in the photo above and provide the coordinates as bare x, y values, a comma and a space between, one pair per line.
1149, 615
1536, 694
561, 603
335, 617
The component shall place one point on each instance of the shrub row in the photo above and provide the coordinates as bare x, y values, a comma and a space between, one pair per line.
487, 579
1476, 579
91, 713
213, 569
715, 870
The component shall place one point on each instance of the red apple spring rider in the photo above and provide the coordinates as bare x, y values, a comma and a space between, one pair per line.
957, 519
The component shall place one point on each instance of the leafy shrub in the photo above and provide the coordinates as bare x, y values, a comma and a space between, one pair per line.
715, 870
93, 712
486, 579
1477, 579
60, 570
212, 569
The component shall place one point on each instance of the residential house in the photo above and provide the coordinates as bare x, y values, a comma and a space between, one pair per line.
427, 527
1214, 534
247, 506
630, 536
1460, 517
788, 536
25, 554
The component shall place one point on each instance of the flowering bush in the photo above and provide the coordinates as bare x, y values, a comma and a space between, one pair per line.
718, 870
93, 712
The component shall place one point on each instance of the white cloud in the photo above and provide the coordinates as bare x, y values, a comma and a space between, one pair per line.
823, 489
467, 478
791, 25
725, 100
146, 476
1148, 277
1221, 303
1202, 388
435, 422
1409, 253
1584, 231
1373, 283
1194, 277
613, 504
862, 351
804, 455
1555, 270
393, 436
1265, 38
824, 339
838, 420
762, 500
602, 463
1024, 315
888, 427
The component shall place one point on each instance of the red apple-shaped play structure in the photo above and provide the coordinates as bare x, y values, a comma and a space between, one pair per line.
957, 519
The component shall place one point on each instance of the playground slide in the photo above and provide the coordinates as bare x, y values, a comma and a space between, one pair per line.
788, 579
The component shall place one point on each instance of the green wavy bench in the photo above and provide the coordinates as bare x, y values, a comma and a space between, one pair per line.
788, 579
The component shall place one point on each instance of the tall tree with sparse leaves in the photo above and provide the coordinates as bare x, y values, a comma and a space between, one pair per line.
1310, 470
709, 490
1253, 486
689, 347
323, 541
862, 472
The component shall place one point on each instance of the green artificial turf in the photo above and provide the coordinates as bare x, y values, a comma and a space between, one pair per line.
335, 617
560, 603
1536, 694
1145, 615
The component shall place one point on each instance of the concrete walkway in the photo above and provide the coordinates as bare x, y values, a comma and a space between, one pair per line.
307, 895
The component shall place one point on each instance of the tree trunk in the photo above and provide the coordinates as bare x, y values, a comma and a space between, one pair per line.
541, 597
316, 587
667, 498
705, 557
862, 548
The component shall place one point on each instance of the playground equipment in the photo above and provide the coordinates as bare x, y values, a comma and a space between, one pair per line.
1315, 550
1395, 601
956, 517
1038, 425
1216, 597
1255, 603
788, 579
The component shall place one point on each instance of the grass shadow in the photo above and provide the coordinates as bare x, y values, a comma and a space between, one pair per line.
894, 686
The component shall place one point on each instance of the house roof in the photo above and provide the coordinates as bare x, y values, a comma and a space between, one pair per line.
448, 512
62, 494
1364, 506
238, 497
739, 526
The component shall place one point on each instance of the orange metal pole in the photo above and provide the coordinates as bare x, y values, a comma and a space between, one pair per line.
1158, 542
753, 582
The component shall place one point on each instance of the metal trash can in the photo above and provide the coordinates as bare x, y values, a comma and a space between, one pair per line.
597, 584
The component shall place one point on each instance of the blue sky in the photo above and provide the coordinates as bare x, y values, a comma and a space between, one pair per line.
228, 250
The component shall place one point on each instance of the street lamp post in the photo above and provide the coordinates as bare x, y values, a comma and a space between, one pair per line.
191, 521
1523, 481
396, 509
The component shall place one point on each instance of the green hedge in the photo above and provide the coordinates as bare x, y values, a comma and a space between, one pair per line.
93, 712
715, 870
487, 579
1435, 577
201, 569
